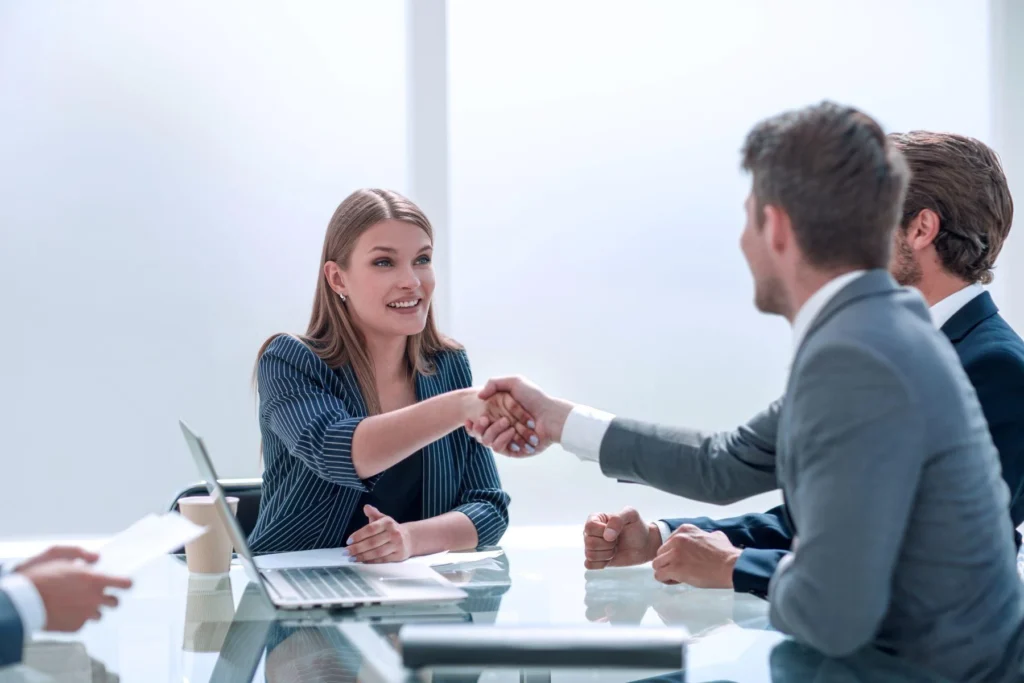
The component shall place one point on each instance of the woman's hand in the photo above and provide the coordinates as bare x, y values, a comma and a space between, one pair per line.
548, 417
382, 540
505, 415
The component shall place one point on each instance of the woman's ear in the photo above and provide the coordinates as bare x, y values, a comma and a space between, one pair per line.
335, 278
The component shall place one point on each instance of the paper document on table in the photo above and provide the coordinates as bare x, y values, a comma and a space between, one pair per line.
721, 646
149, 538
464, 558
324, 557
429, 560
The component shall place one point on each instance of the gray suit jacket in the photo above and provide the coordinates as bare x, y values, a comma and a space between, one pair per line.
878, 445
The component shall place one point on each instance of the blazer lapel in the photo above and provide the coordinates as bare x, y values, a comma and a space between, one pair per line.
439, 485
974, 312
350, 392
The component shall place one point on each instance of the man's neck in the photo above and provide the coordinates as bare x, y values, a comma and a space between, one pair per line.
807, 283
938, 285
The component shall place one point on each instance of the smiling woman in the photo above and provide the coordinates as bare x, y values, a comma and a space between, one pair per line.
361, 417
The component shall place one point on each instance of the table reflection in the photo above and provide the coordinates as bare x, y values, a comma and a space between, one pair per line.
626, 595
56, 661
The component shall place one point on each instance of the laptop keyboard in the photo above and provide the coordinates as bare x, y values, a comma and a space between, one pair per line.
329, 583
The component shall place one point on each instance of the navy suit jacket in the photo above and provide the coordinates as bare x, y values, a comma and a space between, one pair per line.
12, 636
308, 413
993, 357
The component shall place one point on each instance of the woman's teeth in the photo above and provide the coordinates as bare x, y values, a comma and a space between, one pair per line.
404, 304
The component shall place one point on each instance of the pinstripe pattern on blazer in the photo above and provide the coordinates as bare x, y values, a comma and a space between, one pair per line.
308, 413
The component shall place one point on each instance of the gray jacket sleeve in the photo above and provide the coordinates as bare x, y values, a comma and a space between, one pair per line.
711, 467
858, 448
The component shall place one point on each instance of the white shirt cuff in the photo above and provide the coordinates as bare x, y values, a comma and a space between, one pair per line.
665, 531
583, 432
27, 601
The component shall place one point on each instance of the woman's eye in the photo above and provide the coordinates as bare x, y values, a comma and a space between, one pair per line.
423, 260
382, 262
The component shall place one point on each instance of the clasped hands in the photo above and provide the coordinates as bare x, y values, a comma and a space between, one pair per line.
690, 555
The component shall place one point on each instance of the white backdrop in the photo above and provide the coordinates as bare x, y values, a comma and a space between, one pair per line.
597, 197
167, 176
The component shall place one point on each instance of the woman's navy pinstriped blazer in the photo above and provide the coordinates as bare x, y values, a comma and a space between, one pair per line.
308, 413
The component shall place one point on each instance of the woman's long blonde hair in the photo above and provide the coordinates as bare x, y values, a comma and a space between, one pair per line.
331, 334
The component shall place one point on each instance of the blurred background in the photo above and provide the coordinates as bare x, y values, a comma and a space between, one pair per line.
167, 173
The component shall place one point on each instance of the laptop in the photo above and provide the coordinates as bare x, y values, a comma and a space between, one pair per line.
349, 586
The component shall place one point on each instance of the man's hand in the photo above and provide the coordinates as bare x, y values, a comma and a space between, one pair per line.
549, 417
698, 558
620, 540
505, 415
72, 593
57, 552
382, 540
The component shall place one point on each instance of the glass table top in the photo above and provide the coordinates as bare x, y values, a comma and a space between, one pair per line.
173, 626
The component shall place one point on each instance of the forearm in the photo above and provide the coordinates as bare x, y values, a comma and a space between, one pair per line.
450, 531
715, 468
753, 530
381, 441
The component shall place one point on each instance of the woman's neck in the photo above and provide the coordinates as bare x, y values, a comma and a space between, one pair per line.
388, 357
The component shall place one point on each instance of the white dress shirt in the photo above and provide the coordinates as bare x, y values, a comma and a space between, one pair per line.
585, 427
26, 599
816, 303
943, 310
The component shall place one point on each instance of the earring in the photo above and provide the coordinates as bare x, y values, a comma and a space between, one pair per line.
342, 297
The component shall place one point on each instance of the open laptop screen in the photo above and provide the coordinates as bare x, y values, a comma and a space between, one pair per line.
206, 471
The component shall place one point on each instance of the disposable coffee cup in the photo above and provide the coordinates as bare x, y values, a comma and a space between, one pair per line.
211, 552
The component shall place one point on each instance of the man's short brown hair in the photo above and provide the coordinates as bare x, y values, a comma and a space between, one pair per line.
961, 180
834, 172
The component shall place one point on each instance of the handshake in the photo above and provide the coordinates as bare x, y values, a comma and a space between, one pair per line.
516, 418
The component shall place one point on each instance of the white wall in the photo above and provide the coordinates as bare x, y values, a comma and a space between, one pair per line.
1006, 21
167, 175
597, 201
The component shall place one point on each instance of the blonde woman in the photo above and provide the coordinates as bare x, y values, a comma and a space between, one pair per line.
361, 417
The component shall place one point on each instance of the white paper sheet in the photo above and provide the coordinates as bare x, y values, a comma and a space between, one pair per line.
325, 557
722, 645
328, 557
442, 560
147, 539
429, 560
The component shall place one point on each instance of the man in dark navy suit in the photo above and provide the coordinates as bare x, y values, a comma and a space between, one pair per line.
956, 218
55, 591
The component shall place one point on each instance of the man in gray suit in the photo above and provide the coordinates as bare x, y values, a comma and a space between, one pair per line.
879, 445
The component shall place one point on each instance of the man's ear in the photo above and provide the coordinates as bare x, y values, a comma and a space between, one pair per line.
923, 229
779, 229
